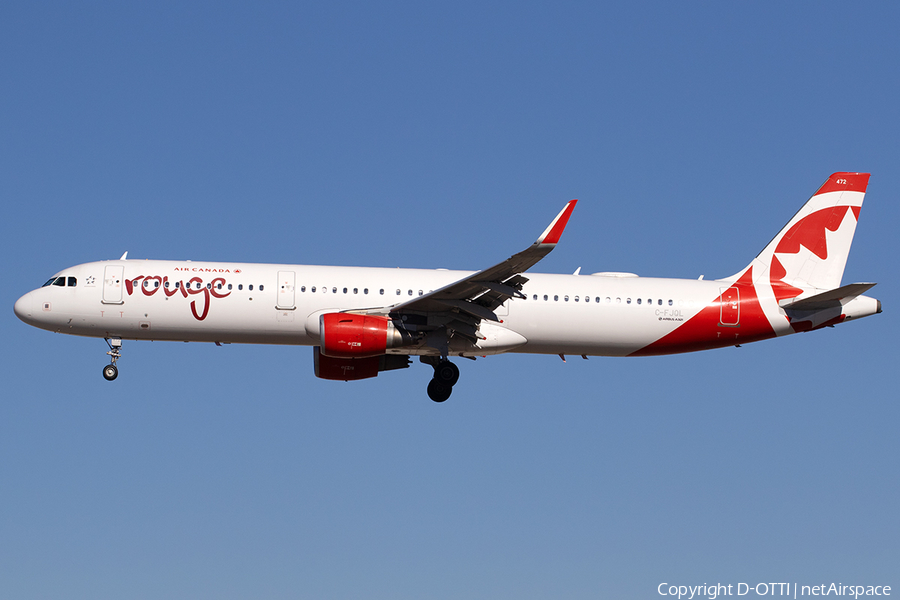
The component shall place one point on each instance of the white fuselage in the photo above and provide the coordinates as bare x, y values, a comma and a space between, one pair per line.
608, 315
362, 321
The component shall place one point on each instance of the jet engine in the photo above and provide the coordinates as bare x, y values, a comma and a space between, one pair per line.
347, 335
351, 369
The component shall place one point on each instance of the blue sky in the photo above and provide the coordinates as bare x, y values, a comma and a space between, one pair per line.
443, 135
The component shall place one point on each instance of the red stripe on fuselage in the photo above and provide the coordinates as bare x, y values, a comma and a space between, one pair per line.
704, 330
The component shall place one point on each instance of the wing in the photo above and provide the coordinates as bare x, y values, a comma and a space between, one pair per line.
460, 306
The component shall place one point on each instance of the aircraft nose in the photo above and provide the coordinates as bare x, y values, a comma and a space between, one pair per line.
24, 307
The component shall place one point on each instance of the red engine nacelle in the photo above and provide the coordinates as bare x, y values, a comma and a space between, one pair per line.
351, 369
345, 335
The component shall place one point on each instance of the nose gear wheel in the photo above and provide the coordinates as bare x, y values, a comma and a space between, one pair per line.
110, 371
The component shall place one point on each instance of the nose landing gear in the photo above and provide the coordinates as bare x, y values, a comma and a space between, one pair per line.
446, 374
110, 371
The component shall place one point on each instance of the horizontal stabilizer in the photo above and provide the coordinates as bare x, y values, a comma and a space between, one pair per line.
831, 298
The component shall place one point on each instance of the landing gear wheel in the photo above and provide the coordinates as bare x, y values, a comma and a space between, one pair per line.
110, 372
439, 391
447, 373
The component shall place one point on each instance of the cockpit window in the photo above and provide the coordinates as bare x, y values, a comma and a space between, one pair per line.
61, 281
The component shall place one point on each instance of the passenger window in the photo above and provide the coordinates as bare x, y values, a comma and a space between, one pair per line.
545, 297
218, 286
312, 289
250, 287
535, 297
166, 285
576, 298
71, 282
355, 290
566, 298
638, 301
587, 298
178, 285
410, 292
241, 286
597, 299
659, 301
365, 290
670, 303
261, 288
608, 300
618, 301
555, 298
209, 286
345, 290
229, 287
627, 300
420, 292
334, 290
398, 292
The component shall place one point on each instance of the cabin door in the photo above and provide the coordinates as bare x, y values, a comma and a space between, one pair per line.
285, 290
113, 276
730, 307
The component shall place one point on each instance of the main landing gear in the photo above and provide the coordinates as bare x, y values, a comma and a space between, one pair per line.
110, 371
446, 374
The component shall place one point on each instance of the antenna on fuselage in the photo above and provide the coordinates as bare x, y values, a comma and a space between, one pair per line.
124, 256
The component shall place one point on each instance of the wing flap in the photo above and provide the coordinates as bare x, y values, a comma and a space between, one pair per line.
471, 308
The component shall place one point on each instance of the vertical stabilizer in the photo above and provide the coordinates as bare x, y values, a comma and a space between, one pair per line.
811, 251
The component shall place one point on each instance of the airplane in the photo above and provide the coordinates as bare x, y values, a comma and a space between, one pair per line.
361, 321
